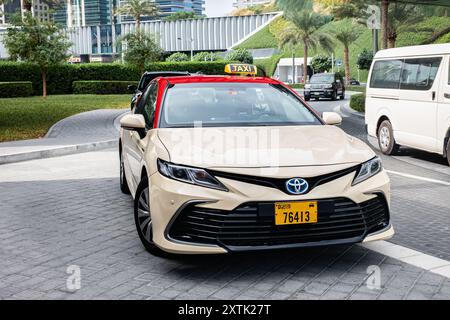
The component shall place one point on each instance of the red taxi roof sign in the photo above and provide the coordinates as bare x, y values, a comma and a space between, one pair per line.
241, 69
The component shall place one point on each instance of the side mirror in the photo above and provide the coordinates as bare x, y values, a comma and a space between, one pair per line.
133, 122
331, 118
132, 88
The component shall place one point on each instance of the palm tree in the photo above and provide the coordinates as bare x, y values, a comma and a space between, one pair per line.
137, 9
305, 30
347, 33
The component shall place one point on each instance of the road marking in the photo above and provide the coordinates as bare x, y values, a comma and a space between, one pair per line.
410, 256
406, 175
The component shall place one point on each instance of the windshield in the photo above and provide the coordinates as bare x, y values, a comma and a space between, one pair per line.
322, 78
233, 104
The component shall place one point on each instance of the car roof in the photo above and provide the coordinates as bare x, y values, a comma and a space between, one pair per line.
166, 72
219, 79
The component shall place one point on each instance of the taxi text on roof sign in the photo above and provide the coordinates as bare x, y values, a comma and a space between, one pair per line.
241, 68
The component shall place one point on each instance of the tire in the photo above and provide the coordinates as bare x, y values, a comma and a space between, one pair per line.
342, 97
334, 96
448, 151
143, 219
386, 140
307, 98
122, 177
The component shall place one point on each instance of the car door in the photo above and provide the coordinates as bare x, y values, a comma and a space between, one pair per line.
443, 116
417, 108
138, 142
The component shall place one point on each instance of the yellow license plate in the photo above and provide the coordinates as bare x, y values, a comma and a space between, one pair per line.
295, 212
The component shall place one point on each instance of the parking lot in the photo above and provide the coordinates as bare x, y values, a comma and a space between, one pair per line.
67, 213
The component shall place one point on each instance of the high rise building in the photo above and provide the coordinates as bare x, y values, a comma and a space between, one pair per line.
75, 13
39, 9
168, 7
239, 4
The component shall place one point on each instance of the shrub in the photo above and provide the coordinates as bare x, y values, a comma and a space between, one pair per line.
177, 57
358, 102
206, 56
101, 87
61, 77
16, 89
321, 63
213, 68
297, 86
241, 55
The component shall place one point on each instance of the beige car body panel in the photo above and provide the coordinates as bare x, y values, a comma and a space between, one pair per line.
320, 149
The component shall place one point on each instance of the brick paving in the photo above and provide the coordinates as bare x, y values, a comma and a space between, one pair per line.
48, 224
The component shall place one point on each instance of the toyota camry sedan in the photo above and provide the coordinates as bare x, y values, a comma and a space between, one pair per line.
220, 164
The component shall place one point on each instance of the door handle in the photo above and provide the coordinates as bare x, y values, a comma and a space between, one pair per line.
447, 95
433, 95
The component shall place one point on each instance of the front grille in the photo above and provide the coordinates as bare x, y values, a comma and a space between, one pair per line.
252, 224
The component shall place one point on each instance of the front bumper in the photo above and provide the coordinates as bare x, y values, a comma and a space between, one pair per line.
326, 93
195, 220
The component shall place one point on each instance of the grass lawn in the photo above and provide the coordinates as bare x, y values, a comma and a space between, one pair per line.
31, 117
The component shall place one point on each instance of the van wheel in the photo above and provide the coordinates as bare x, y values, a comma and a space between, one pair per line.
342, 97
143, 218
386, 140
448, 151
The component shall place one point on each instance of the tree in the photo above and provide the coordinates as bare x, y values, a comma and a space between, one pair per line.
294, 5
346, 33
206, 56
321, 64
400, 16
365, 59
305, 30
182, 15
241, 55
31, 40
137, 9
140, 48
177, 57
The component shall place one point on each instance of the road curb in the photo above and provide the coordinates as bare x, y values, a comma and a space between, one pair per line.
66, 149
353, 112
57, 152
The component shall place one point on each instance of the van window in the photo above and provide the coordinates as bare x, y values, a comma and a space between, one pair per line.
386, 74
419, 74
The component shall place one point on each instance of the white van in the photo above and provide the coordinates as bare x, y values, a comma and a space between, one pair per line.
408, 99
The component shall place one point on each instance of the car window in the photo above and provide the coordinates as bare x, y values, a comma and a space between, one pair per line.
144, 82
233, 104
386, 74
322, 78
419, 74
147, 105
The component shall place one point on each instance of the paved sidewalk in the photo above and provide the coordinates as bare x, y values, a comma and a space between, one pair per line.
79, 133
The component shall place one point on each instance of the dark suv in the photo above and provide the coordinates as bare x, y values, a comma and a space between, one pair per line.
325, 85
145, 80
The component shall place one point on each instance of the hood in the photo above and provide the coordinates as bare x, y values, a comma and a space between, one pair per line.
258, 147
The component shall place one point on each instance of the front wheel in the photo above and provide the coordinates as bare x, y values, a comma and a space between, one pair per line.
342, 97
386, 139
334, 96
143, 218
123, 178
307, 98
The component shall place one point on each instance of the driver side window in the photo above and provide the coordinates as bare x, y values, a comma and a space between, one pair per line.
148, 105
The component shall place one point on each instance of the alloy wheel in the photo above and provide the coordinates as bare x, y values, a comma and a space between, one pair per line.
144, 216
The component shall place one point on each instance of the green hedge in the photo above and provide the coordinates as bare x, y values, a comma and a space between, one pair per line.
297, 86
356, 88
358, 102
102, 87
61, 77
16, 89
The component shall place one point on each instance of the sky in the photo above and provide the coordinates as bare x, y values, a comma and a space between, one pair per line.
216, 8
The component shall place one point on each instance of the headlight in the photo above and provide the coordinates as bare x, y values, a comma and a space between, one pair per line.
189, 175
307, 86
329, 86
368, 169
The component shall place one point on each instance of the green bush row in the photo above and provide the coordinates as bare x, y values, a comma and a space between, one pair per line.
101, 87
356, 88
358, 102
61, 77
16, 89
